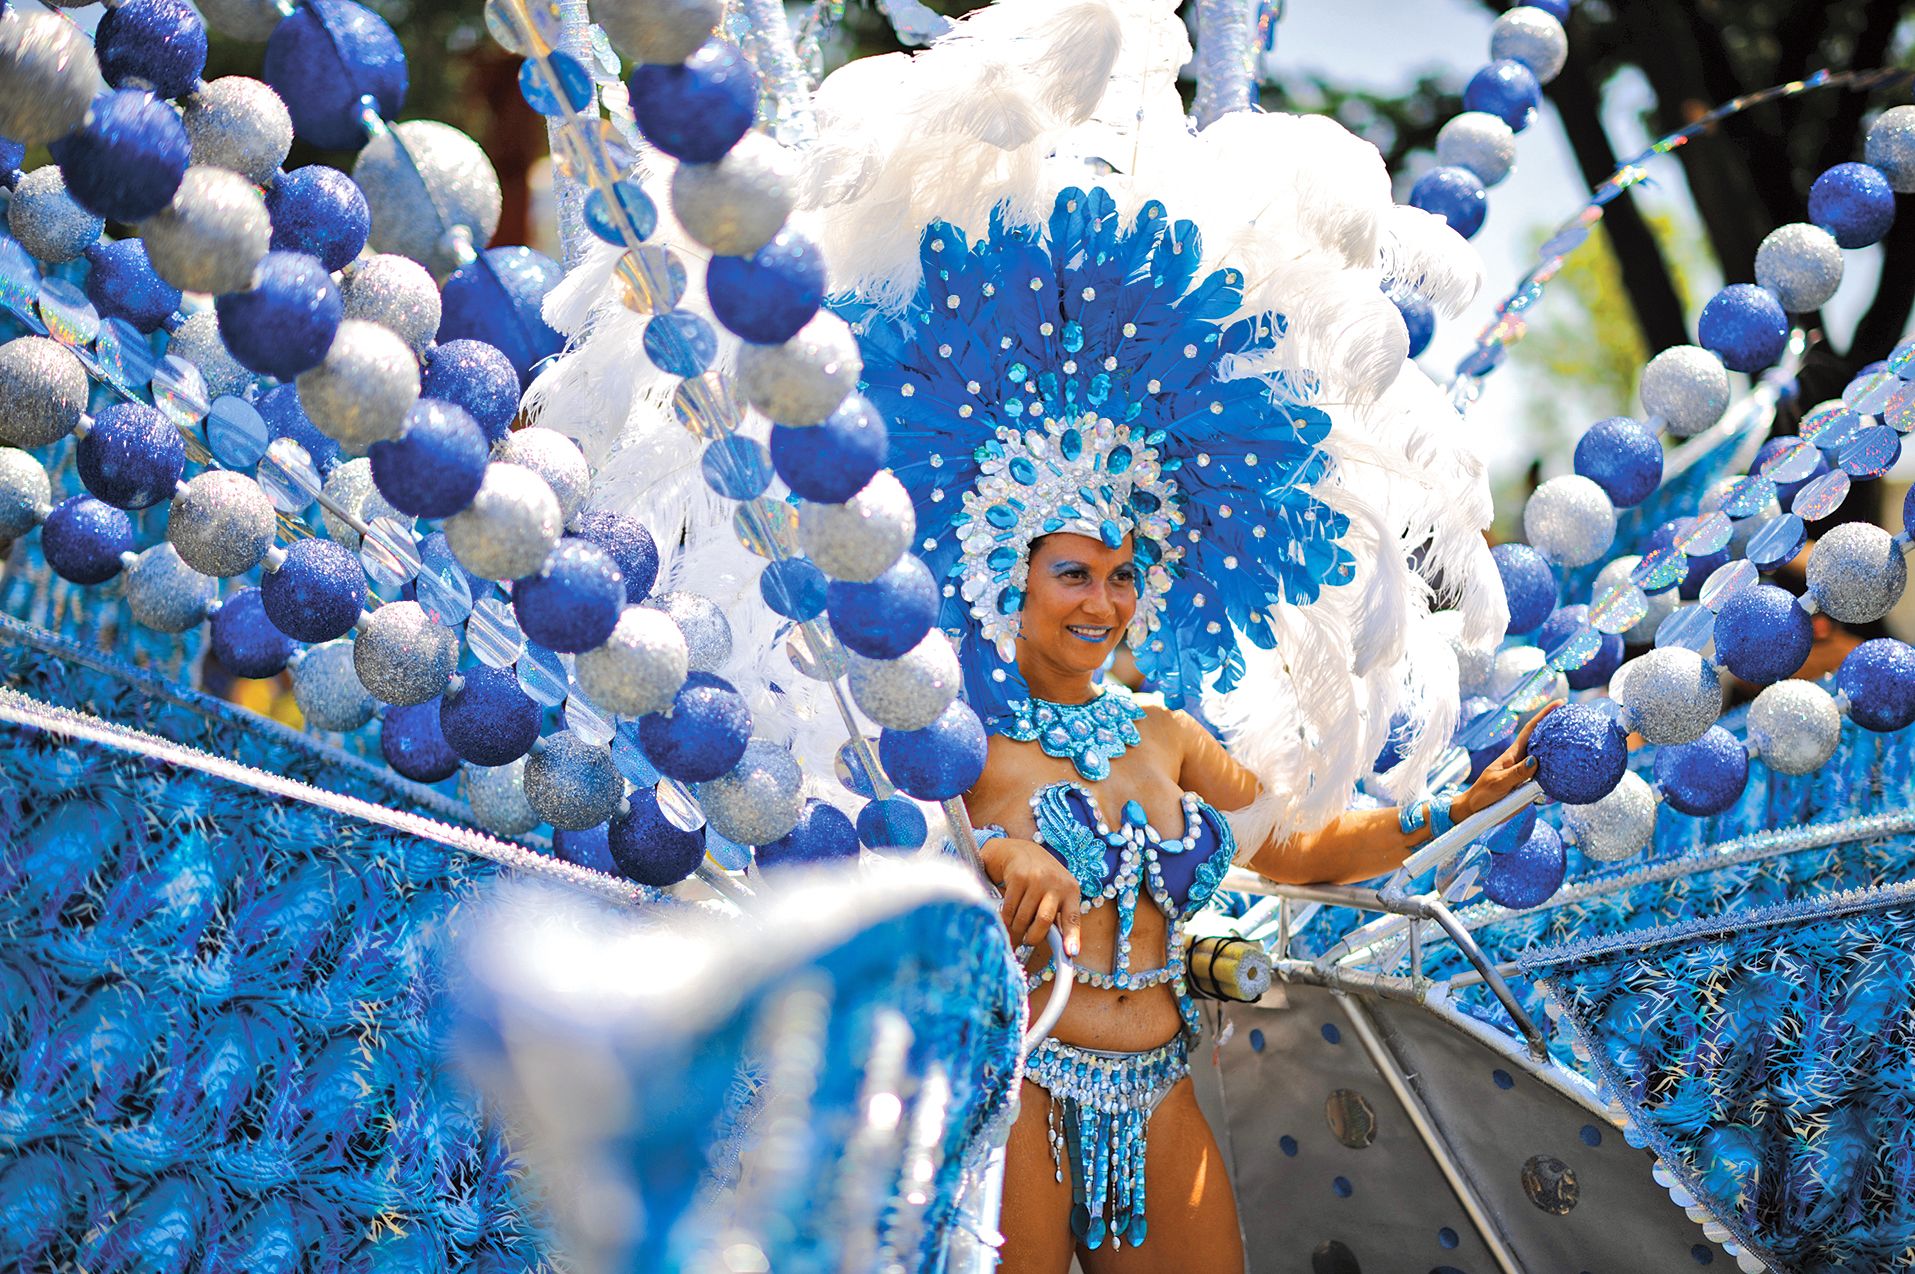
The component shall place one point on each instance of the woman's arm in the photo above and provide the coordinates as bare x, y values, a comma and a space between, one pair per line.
1357, 844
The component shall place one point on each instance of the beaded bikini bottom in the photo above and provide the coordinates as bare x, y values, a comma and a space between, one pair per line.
1101, 1105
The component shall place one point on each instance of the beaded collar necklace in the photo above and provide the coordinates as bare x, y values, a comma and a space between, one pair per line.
1090, 735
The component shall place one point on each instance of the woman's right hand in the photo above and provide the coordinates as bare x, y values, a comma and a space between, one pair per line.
1038, 891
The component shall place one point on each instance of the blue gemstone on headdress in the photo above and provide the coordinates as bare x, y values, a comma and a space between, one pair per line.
1071, 443
1073, 336
1134, 814
1068, 511
1053, 525
1001, 559
1018, 373
1112, 533
1145, 501
1118, 460
1147, 551
1000, 516
1024, 471
1099, 389
1010, 601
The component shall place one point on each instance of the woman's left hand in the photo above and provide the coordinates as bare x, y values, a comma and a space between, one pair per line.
1506, 773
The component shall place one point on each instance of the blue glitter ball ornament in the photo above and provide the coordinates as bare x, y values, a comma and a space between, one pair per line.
698, 111
159, 45
1529, 871
317, 592
893, 825
703, 734
1908, 508
496, 299
285, 324
434, 468
1744, 326
1622, 457
1580, 753
1419, 316
477, 377
630, 545
280, 408
412, 743
1557, 9
1704, 777
823, 835
888, 616
1506, 89
488, 718
794, 588
132, 457
1785, 491
1853, 202
1529, 585
939, 762
1568, 622
833, 461
245, 641
122, 285
767, 297
12, 155
590, 848
572, 604
126, 160
1762, 636
323, 58
1701, 565
320, 211
1454, 194
1879, 679
649, 848
82, 539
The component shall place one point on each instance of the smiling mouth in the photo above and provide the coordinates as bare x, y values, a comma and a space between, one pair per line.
1096, 636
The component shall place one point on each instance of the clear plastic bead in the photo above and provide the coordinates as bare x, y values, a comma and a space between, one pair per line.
493, 633
69, 317
288, 477
542, 675
124, 355
236, 433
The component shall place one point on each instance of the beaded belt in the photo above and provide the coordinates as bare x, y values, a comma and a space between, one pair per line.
1105, 1101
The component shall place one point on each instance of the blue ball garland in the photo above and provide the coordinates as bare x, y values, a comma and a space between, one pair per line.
285, 324
1567, 622
794, 588
121, 284
320, 211
245, 641
1623, 457
1762, 635
477, 377
125, 162
629, 543
158, 45
823, 835
648, 847
703, 734
1529, 586
323, 58
497, 300
1878, 677
317, 593
1419, 316
411, 742
280, 408
696, 112
1706, 776
1454, 194
1506, 89
1529, 871
767, 297
83, 537
831, 462
1745, 327
488, 718
1854, 203
1785, 491
1580, 753
1557, 9
892, 825
1701, 565
132, 457
573, 603
889, 615
590, 848
942, 761
435, 467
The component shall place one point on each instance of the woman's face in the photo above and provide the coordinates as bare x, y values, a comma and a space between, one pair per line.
1078, 601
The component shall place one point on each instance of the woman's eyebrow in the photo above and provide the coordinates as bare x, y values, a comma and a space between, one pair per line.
1068, 564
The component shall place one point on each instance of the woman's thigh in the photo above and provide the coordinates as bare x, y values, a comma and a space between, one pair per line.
1189, 1204
1036, 1218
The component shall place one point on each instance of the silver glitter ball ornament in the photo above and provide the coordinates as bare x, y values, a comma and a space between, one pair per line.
572, 784
26, 495
1479, 142
640, 667
1801, 264
221, 523
1473, 662
1891, 147
736, 205
403, 655
197, 340
509, 528
554, 457
362, 391
238, 124
1515, 666
48, 75
760, 800
1660, 605
1794, 726
1674, 695
802, 381
911, 691
1570, 521
707, 631
862, 538
663, 32
249, 20
497, 797
1687, 386
1533, 37
442, 180
1617, 825
165, 594
350, 487
1856, 573
396, 293
43, 391
46, 221
327, 688
213, 234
